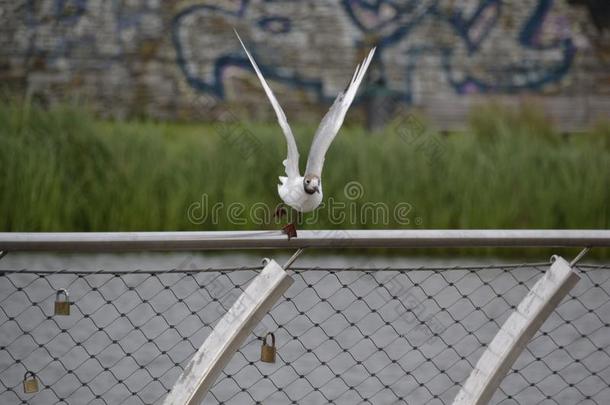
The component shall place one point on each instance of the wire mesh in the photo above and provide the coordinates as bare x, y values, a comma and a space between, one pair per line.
344, 336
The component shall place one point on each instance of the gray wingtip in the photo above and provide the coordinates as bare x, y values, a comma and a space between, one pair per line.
372, 53
239, 38
237, 35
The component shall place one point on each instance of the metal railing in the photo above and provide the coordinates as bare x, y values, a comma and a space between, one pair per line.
356, 334
126, 241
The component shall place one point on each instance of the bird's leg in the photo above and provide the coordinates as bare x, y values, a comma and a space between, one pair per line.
280, 211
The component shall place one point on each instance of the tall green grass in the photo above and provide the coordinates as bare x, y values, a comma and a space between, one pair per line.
64, 170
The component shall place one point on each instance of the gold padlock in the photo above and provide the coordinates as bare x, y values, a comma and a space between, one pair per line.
62, 307
30, 385
268, 352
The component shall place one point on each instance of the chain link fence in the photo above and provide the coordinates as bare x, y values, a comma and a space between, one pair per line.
344, 335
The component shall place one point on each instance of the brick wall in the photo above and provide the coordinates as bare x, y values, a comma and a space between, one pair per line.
181, 60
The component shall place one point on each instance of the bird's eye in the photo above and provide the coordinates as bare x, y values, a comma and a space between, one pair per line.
307, 181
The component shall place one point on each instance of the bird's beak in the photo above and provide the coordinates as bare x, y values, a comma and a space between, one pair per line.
316, 189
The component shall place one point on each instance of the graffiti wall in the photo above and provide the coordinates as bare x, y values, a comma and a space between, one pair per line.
162, 58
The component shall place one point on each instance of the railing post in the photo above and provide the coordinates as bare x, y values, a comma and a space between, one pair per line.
516, 332
228, 335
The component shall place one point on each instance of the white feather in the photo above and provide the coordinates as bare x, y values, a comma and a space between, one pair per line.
292, 161
332, 121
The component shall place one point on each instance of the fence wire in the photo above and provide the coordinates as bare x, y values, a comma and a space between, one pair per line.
344, 336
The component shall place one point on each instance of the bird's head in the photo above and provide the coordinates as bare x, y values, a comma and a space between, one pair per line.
311, 183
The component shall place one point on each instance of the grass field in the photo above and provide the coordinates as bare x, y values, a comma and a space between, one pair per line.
64, 170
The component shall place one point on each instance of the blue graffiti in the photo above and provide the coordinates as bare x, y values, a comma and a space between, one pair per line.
215, 84
392, 24
473, 31
465, 27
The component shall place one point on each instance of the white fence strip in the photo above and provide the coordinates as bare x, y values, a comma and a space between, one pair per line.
228, 335
516, 332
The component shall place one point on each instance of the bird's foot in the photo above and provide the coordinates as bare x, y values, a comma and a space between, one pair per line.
290, 230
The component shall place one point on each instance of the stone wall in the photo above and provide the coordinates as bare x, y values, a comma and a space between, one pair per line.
181, 60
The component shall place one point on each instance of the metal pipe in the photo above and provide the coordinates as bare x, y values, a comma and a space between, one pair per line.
229, 335
516, 332
166, 241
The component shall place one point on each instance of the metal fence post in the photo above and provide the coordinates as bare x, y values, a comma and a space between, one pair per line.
228, 335
516, 332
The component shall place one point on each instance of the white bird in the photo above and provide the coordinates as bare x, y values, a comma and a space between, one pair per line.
304, 193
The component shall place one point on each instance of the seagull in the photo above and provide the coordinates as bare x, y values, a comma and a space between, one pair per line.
304, 193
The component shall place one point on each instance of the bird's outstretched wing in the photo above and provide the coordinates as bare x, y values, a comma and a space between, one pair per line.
292, 160
332, 121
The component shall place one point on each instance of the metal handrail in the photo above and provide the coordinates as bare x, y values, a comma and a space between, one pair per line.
213, 240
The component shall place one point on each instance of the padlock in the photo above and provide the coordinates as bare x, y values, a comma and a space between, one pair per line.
30, 385
62, 307
268, 352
